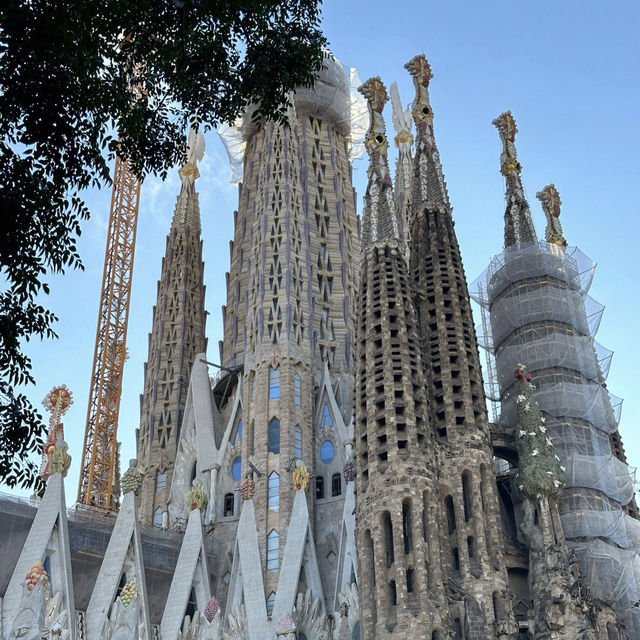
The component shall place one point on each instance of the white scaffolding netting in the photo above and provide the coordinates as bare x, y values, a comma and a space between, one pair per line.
334, 96
536, 311
587, 401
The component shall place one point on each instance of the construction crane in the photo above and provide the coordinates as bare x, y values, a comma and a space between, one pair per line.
99, 484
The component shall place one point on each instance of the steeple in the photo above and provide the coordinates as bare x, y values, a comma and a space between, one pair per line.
402, 124
550, 200
452, 369
379, 217
429, 187
518, 226
178, 334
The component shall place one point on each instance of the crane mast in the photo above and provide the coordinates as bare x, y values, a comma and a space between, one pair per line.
98, 483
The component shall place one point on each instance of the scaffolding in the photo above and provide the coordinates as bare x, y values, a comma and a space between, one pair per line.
536, 310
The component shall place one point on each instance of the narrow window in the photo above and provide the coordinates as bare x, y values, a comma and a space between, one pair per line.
192, 604
274, 436
297, 443
336, 485
238, 435
274, 492
471, 547
228, 504
236, 468
451, 514
271, 600
409, 580
297, 389
393, 594
406, 525
388, 537
274, 383
425, 519
273, 548
466, 496
157, 517
456, 559
319, 487
161, 480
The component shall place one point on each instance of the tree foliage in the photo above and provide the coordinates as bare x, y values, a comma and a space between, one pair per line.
79, 80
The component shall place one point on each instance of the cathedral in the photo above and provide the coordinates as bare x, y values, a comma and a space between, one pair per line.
338, 469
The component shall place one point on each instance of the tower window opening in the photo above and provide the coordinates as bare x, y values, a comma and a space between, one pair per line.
274, 436
471, 547
466, 496
319, 488
297, 389
157, 517
327, 452
271, 600
228, 505
393, 594
336, 485
451, 514
238, 435
406, 525
409, 580
273, 548
455, 555
274, 383
327, 420
388, 538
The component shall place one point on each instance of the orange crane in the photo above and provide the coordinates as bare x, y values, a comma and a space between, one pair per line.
98, 484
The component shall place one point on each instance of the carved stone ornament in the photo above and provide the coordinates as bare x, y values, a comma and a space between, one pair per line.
300, 477
550, 200
59, 458
132, 478
349, 470
196, 496
124, 621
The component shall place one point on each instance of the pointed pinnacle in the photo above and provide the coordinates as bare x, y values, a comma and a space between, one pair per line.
550, 200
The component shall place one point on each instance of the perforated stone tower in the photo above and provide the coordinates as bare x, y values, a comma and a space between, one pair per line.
398, 512
177, 335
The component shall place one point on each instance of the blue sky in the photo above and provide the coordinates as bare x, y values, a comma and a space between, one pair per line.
569, 73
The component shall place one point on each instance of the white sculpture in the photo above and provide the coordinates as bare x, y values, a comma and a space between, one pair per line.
195, 152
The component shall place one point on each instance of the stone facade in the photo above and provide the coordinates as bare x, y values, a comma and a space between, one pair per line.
335, 477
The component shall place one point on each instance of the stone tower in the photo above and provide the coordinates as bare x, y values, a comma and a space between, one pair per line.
474, 561
538, 312
397, 507
177, 335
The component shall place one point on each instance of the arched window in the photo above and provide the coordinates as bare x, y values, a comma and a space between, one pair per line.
274, 436
297, 443
228, 504
238, 434
273, 549
236, 468
451, 514
161, 480
319, 487
274, 383
273, 496
297, 389
336, 485
157, 517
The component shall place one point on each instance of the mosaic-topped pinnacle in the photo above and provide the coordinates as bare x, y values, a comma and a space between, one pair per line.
518, 224
375, 93
420, 70
550, 200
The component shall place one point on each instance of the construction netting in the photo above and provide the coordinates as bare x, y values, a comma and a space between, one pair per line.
334, 96
536, 312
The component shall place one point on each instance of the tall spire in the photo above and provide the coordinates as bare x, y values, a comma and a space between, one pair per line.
402, 124
550, 200
379, 217
177, 335
429, 187
518, 226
